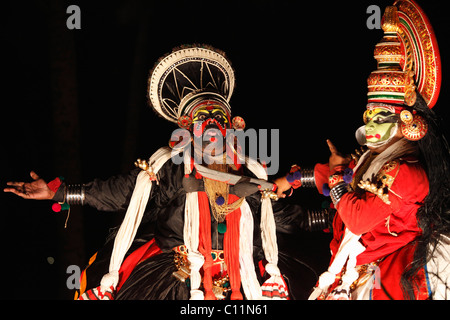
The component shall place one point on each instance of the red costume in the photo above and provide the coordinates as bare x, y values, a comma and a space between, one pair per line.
381, 196
387, 231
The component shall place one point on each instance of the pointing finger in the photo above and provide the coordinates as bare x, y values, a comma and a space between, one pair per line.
333, 149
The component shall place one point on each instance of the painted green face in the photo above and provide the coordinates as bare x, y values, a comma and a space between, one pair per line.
379, 123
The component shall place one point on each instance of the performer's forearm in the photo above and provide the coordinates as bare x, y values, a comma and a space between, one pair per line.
112, 194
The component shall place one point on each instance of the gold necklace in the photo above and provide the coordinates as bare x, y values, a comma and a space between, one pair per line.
218, 191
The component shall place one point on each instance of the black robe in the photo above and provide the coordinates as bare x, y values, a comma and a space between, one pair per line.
163, 220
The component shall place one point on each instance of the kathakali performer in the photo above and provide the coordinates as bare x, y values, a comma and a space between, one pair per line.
391, 230
188, 232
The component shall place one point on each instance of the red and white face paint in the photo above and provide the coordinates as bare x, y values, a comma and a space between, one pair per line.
210, 118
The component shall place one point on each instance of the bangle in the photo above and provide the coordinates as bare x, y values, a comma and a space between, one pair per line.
301, 177
308, 180
317, 219
75, 194
337, 192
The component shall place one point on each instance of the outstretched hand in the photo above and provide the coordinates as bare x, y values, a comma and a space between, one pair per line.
336, 158
37, 189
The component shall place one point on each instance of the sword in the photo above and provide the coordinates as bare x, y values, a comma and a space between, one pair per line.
267, 188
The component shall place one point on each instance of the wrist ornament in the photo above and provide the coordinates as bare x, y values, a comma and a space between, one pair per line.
75, 194
338, 184
298, 177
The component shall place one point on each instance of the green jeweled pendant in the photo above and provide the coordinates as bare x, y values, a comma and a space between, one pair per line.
222, 228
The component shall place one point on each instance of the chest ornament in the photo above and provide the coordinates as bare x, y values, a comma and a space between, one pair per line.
383, 181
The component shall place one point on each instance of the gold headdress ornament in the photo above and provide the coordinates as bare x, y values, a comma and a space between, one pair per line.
408, 58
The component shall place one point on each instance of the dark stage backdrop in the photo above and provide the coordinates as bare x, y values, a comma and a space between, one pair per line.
74, 103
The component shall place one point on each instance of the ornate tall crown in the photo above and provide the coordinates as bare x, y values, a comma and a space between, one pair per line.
407, 58
188, 75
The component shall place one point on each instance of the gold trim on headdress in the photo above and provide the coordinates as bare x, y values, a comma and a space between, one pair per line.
391, 82
408, 58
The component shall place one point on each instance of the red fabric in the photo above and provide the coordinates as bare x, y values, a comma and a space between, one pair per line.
231, 249
391, 269
362, 213
296, 183
205, 244
54, 184
144, 252
91, 295
275, 290
230, 244
262, 267
97, 294
321, 175
366, 214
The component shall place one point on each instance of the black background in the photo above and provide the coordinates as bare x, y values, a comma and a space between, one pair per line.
74, 103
